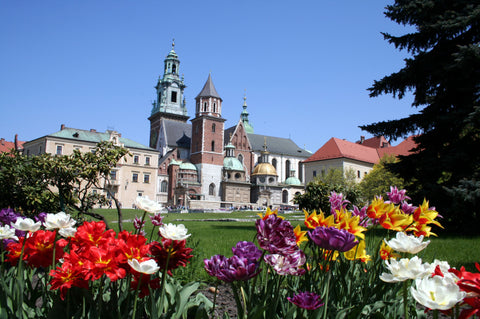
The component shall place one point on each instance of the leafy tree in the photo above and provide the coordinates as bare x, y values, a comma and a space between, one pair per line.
444, 74
318, 191
379, 180
47, 183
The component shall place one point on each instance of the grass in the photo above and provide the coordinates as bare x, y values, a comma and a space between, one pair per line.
215, 233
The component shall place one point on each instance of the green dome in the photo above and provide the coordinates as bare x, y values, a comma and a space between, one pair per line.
189, 166
293, 181
231, 163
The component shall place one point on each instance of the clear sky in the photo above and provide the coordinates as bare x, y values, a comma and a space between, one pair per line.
305, 65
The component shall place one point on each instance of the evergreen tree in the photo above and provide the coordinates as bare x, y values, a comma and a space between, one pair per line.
443, 73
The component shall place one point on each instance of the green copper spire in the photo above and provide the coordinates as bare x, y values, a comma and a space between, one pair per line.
244, 116
169, 97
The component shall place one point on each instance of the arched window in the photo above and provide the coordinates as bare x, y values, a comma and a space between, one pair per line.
274, 163
211, 189
205, 107
213, 127
285, 197
163, 187
174, 68
240, 158
214, 107
213, 146
287, 169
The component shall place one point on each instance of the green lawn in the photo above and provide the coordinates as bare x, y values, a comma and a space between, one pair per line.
215, 233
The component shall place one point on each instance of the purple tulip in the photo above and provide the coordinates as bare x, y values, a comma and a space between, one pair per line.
306, 300
331, 238
287, 264
231, 269
276, 235
138, 223
157, 219
396, 196
337, 202
41, 217
247, 250
408, 208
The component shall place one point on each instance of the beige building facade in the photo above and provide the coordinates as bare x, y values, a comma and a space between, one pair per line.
135, 174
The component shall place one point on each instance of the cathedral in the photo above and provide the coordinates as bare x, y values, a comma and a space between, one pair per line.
203, 165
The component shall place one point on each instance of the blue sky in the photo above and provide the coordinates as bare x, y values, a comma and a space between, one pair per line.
305, 65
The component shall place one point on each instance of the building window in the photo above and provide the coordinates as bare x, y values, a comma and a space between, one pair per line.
214, 107
146, 178
135, 177
358, 174
59, 150
163, 187
147, 160
211, 189
113, 175
287, 169
213, 127
274, 163
240, 158
213, 146
135, 159
314, 173
205, 107
174, 68
285, 197
174, 97
139, 194
300, 171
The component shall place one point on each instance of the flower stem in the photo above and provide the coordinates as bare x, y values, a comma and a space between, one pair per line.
136, 297
164, 277
405, 299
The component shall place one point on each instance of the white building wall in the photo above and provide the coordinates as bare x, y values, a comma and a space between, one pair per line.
210, 173
317, 168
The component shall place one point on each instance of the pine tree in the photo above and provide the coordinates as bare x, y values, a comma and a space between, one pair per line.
443, 73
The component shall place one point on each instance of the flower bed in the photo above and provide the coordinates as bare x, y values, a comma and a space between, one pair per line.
333, 269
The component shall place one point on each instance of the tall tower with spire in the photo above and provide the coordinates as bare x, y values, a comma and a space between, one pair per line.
244, 116
207, 139
169, 101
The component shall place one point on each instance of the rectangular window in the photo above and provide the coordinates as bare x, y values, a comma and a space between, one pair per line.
135, 159
314, 173
113, 175
146, 178
147, 160
358, 174
135, 177
174, 97
59, 150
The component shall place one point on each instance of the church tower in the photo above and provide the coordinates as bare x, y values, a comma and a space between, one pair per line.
207, 140
169, 101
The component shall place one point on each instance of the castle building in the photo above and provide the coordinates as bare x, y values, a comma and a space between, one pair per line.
204, 165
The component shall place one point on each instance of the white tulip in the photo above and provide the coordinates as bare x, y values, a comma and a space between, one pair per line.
174, 232
146, 267
407, 243
7, 233
404, 269
26, 224
67, 232
437, 292
146, 204
58, 221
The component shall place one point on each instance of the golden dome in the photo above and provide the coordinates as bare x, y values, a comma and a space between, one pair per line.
264, 169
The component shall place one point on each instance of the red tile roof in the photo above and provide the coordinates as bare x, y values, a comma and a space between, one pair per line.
6, 146
338, 148
375, 142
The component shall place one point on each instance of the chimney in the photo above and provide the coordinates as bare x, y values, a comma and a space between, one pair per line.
2, 141
384, 144
362, 139
16, 142
93, 130
62, 127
